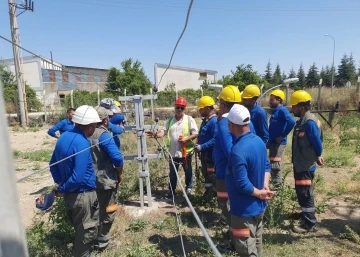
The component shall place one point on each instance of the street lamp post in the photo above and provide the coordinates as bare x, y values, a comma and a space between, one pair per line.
333, 68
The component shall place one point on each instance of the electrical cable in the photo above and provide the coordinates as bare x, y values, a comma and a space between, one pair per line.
181, 35
205, 233
55, 163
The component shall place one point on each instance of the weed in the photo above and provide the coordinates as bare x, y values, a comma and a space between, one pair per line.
38, 155
137, 249
353, 199
356, 176
46, 142
53, 238
319, 183
342, 187
16, 154
283, 203
138, 225
332, 193
160, 225
321, 208
350, 235
36, 166
341, 158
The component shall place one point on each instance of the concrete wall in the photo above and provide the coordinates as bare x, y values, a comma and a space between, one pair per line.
32, 73
183, 77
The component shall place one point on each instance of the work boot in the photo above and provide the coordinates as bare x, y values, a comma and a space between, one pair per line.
303, 229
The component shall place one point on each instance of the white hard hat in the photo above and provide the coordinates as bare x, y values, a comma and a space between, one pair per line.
85, 115
239, 115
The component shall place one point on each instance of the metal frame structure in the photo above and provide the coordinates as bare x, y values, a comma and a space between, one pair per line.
142, 156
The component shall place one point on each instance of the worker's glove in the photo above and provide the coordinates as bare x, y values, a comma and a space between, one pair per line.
197, 148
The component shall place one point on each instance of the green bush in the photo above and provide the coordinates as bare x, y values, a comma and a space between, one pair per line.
86, 98
52, 238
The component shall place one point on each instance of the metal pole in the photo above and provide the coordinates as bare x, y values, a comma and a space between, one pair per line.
319, 95
72, 98
45, 114
12, 235
152, 106
287, 95
98, 95
333, 67
19, 75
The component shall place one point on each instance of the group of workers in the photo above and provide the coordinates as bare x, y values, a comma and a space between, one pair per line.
87, 167
233, 142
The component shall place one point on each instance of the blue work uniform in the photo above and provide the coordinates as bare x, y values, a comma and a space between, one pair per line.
280, 125
77, 181
206, 140
259, 119
246, 171
75, 174
116, 130
62, 126
117, 119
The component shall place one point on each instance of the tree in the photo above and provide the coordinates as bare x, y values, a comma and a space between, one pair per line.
112, 79
325, 75
268, 73
276, 79
10, 91
302, 78
346, 70
312, 78
170, 87
132, 78
283, 76
245, 75
292, 73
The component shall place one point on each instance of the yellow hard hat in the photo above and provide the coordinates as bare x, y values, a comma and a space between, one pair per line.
230, 94
251, 91
205, 101
299, 96
118, 104
279, 93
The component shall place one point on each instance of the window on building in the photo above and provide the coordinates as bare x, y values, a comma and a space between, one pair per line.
203, 75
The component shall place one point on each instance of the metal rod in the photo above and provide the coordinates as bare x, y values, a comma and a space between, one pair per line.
12, 235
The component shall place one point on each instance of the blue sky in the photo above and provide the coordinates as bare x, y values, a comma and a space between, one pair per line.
220, 34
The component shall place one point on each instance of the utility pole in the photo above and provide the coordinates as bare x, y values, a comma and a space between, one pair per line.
28, 5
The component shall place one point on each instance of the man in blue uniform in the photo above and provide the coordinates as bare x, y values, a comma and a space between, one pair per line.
229, 96
281, 123
108, 164
258, 114
306, 153
63, 125
245, 183
223, 143
206, 141
76, 179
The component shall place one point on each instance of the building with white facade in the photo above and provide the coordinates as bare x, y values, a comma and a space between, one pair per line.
32, 70
182, 77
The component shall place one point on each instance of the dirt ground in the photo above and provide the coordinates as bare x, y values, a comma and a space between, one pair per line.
31, 188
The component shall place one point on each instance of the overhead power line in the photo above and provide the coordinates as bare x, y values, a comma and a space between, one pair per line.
177, 43
176, 7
